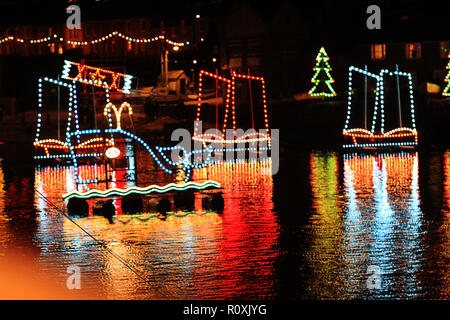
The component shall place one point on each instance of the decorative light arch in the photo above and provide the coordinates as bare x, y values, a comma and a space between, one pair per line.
117, 112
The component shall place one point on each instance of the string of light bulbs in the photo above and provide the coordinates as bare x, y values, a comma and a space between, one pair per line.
58, 39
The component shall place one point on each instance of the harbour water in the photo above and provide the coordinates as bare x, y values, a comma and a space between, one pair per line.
311, 232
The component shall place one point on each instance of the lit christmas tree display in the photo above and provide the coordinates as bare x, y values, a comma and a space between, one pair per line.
322, 79
446, 91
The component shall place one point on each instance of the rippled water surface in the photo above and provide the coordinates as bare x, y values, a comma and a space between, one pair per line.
311, 231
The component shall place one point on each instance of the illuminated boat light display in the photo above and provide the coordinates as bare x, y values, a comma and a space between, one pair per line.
106, 142
230, 107
373, 138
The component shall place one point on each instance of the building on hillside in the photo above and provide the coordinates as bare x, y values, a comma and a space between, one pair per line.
426, 60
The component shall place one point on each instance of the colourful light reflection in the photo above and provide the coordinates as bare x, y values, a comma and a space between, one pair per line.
325, 223
52, 182
3, 217
2, 187
191, 254
249, 228
443, 244
383, 227
375, 219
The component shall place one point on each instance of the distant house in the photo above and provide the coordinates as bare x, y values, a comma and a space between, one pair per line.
177, 82
174, 90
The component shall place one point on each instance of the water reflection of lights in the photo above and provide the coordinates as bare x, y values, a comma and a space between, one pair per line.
325, 223
443, 244
389, 225
3, 218
167, 250
189, 255
249, 227
374, 220
2, 187
236, 178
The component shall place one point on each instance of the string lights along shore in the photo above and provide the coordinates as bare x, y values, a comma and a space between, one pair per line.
113, 35
322, 79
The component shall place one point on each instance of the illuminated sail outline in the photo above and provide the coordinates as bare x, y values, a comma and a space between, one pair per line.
48, 144
230, 99
401, 132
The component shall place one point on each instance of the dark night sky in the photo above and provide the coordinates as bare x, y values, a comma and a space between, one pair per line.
401, 19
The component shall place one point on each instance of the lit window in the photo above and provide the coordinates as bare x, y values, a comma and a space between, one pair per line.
378, 51
413, 50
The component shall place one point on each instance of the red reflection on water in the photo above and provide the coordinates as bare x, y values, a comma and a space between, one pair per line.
444, 231
2, 187
447, 181
249, 228
53, 182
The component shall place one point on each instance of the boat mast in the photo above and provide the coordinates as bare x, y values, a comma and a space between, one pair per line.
365, 98
398, 97
59, 111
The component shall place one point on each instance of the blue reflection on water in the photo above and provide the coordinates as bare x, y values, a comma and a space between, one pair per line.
383, 220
